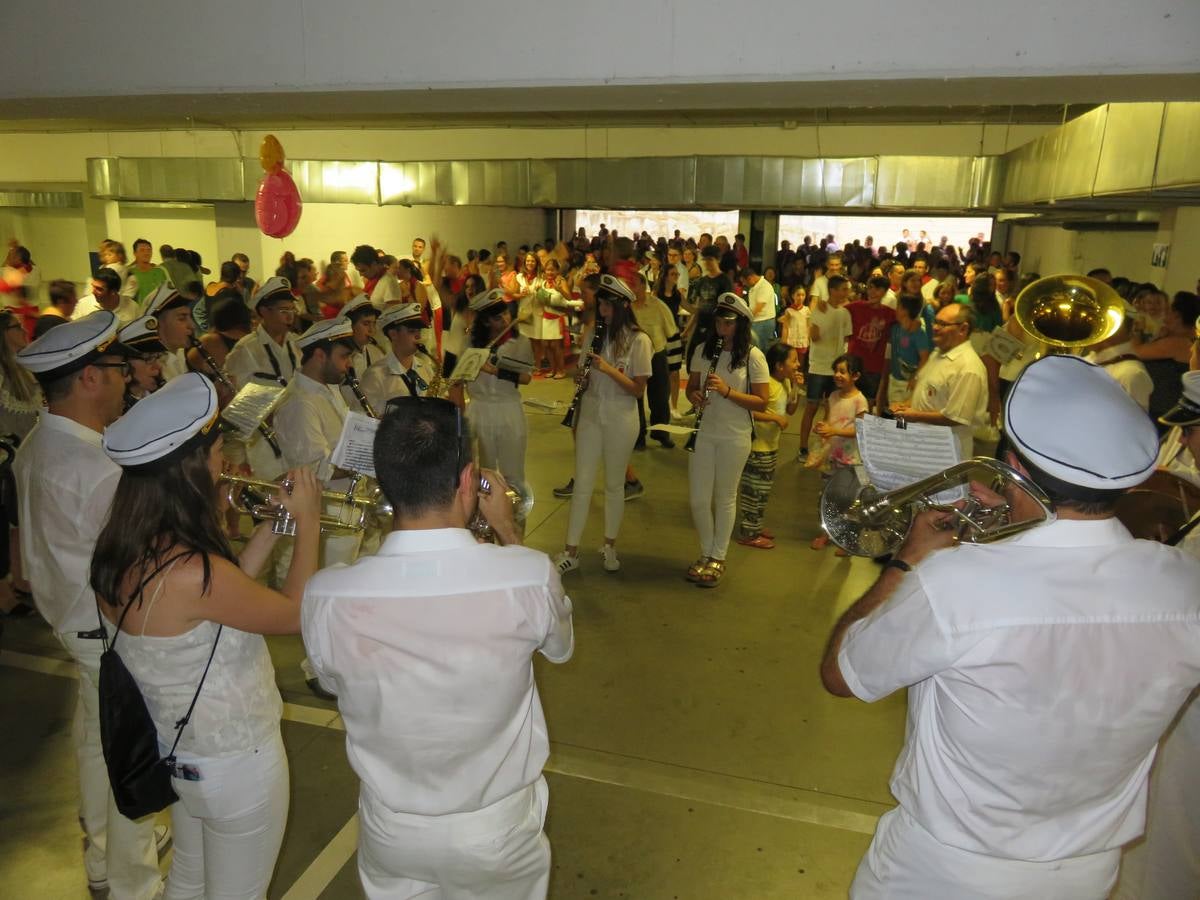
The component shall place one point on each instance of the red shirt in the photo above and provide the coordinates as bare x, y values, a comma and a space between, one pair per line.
627, 271
871, 327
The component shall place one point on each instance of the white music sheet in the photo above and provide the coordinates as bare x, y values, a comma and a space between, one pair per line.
251, 406
895, 457
468, 364
355, 450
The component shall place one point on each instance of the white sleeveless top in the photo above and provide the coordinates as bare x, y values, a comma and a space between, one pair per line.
239, 708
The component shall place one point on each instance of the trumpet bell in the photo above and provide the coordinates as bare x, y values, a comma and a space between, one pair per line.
1069, 311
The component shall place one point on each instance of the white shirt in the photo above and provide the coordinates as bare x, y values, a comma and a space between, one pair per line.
761, 293
954, 383
385, 379
820, 288
516, 353
834, 325
655, 319
684, 280
309, 422
250, 358
1042, 669
634, 361
723, 419
1130, 374
891, 299
387, 290
428, 645
174, 364
65, 486
360, 362
126, 310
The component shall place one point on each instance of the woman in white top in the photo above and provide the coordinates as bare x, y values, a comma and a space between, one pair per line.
164, 571
552, 299
529, 309
495, 412
727, 388
607, 419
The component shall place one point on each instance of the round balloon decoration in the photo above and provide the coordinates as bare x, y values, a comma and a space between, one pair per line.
277, 204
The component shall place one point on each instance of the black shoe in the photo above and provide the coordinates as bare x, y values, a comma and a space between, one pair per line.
639, 444
633, 490
565, 491
315, 686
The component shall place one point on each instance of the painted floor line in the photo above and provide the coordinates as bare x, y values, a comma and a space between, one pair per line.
710, 788
322, 870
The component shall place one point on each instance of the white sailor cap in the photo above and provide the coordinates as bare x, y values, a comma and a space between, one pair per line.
141, 335
165, 426
325, 330
358, 303
1187, 410
275, 288
488, 299
611, 286
1074, 422
404, 314
730, 306
164, 297
69, 347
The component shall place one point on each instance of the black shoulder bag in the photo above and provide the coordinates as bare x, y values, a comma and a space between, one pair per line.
140, 778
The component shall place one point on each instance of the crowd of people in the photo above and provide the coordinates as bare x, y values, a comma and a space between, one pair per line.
119, 539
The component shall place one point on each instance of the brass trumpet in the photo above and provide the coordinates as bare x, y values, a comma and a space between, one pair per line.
351, 511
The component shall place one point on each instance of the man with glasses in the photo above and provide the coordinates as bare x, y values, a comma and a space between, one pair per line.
444, 726
951, 388
65, 485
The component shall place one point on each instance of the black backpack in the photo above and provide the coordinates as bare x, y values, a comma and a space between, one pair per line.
140, 778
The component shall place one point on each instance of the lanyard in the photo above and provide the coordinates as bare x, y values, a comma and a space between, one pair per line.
275, 363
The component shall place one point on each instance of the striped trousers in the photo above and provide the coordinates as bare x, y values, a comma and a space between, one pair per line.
755, 490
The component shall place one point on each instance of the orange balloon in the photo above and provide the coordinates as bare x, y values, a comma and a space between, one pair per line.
270, 153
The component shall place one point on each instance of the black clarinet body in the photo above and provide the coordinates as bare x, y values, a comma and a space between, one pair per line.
585, 374
267, 432
690, 446
357, 391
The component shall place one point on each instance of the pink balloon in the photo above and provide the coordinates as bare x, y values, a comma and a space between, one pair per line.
277, 205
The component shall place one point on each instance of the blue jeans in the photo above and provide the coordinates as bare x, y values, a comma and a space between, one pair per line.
764, 333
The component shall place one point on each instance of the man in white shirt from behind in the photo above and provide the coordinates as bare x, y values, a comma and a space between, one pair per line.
1116, 356
443, 721
1042, 669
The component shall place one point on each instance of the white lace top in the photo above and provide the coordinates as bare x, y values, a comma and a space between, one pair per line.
239, 708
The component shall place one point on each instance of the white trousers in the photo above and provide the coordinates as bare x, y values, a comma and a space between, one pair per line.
497, 853
714, 471
118, 848
905, 862
502, 434
607, 431
335, 547
1165, 865
229, 825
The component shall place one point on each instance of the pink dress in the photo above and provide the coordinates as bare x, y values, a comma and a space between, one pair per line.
843, 451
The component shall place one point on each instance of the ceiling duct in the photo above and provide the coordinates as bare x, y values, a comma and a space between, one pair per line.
30, 199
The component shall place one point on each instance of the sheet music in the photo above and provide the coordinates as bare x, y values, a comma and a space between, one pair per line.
895, 457
251, 406
468, 364
355, 450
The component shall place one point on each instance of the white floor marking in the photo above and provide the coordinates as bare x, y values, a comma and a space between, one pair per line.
323, 869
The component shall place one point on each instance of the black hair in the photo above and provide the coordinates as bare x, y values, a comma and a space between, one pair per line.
738, 347
421, 448
60, 290
1096, 273
912, 303
327, 345
108, 277
141, 241
166, 251
229, 311
878, 282
983, 299
777, 355
836, 281
481, 334
484, 255
230, 272
1187, 306
361, 313
852, 361
1088, 501
364, 255
712, 251
153, 516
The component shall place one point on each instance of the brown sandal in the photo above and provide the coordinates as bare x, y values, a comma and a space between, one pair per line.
710, 576
696, 569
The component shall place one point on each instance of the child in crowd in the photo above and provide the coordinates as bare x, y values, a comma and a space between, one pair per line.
839, 446
908, 348
759, 472
793, 327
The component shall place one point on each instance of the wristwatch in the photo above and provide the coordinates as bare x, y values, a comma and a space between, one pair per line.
895, 563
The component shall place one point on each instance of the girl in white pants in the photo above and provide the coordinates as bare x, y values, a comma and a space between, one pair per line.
727, 388
607, 419
495, 412
191, 618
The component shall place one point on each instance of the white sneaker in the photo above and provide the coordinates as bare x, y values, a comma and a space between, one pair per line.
565, 562
611, 563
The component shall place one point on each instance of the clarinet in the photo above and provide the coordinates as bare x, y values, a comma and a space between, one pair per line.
584, 373
267, 432
690, 446
356, 389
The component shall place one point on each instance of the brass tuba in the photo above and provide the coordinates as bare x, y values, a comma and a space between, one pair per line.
1069, 312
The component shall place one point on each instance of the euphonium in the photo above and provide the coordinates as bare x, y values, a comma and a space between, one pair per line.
1069, 312
865, 522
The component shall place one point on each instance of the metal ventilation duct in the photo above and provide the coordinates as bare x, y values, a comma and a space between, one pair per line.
41, 199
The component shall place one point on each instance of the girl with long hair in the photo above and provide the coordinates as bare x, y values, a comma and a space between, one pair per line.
607, 419
728, 386
495, 412
167, 578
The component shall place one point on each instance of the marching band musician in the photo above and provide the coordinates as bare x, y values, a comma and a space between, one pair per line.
403, 372
495, 412
65, 485
168, 314
607, 421
146, 358
363, 315
1036, 698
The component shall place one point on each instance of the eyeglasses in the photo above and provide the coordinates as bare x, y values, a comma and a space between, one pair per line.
124, 366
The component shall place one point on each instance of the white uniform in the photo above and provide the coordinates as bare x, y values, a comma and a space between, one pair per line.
954, 383
387, 378
258, 358
360, 362
1127, 370
65, 485
606, 428
444, 726
174, 364
496, 415
722, 448
1042, 671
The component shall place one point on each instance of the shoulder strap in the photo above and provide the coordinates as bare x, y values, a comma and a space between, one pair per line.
182, 723
136, 597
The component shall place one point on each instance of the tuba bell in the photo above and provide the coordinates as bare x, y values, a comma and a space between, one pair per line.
1069, 312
